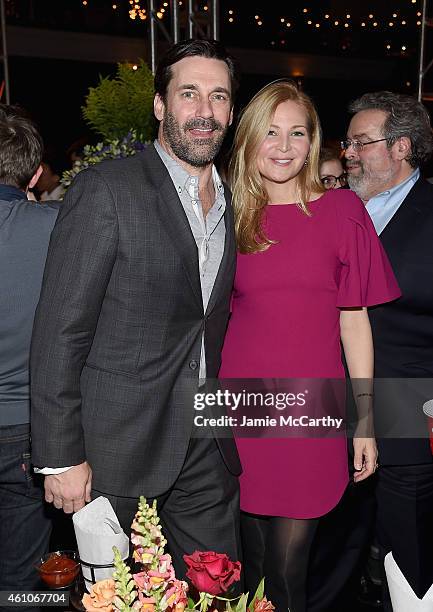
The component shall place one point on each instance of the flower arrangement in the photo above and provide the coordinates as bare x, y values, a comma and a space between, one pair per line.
119, 109
155, 587
111, 149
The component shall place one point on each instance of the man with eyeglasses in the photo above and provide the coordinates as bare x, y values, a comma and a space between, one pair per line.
388, 138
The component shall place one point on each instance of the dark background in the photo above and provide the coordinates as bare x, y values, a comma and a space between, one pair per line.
52, 81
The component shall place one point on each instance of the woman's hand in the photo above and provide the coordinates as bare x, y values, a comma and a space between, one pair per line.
365, 459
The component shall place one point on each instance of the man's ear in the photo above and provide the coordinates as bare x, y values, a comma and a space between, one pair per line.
231, 116
402, 148
35, 177
158, 107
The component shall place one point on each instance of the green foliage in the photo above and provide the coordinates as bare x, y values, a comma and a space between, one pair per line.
259, 594
121, 104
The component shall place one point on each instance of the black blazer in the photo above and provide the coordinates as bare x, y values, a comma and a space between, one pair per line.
403, 329
118, 329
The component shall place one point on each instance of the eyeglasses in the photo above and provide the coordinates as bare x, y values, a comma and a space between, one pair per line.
329, 181
357, 145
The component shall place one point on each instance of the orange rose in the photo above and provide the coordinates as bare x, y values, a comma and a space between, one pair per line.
263, 605
101, 596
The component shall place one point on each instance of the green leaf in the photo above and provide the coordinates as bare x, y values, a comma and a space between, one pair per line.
241, 606
258, 594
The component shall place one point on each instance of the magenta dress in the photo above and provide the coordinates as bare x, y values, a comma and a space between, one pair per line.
285, 324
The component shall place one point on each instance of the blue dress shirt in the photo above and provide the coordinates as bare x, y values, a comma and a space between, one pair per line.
383, 206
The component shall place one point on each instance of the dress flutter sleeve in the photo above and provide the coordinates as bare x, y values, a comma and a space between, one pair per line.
366, 277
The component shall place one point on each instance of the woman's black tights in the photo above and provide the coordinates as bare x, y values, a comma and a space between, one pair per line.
278, 548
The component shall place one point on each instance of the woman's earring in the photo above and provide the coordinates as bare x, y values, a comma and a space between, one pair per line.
306, 162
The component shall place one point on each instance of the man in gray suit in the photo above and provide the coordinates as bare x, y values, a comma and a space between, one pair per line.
133, 313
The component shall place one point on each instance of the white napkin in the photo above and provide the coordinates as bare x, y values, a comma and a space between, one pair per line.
403, 598
97, 530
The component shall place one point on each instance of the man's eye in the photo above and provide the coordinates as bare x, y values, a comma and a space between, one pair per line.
219, 97
187, 94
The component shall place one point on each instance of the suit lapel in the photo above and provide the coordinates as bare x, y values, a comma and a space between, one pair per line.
228, 256
173, 218
402, 226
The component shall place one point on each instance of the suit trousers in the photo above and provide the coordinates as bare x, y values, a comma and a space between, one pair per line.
405, 521
199, 512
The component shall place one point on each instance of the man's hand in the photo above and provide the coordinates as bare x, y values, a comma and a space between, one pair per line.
71, 489
365, 459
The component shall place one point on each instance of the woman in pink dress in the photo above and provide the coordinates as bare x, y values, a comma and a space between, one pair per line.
309, 264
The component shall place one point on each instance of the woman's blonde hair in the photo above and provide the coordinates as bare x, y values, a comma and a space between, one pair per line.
249, 194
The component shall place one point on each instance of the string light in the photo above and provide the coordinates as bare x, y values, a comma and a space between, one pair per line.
390, 24
347, 16
305, 10
326, 16
317, 25
388, 47
403, 48
135, 67
309, 22
137, 11
84, 2
375, 23
231, 19
114, 7
336, 23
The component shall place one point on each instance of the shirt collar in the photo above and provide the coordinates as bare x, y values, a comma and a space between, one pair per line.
391, 194
183, 181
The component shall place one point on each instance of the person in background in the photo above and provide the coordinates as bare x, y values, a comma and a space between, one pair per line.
309, 263
48, 186
25, 229
331, 171
388, 138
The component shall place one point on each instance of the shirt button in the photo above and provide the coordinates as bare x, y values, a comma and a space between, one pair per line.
193, 364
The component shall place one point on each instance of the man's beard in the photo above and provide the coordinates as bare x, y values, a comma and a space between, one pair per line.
197, 152
366, 185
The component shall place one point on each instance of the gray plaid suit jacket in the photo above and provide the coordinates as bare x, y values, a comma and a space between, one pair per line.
117, 335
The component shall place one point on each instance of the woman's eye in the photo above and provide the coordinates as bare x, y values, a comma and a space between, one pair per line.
272, 133
297, 133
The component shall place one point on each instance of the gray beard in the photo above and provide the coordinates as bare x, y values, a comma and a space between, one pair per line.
367, 186
200, 152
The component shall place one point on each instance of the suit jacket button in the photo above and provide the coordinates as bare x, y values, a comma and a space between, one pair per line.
193, 364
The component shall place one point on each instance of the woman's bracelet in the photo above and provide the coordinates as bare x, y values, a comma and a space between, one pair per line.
365, 395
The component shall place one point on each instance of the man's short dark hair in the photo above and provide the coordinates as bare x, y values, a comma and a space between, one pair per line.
405, 117
210, 49
21, 147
